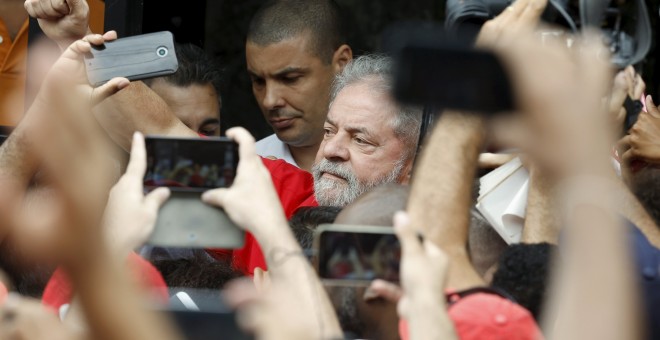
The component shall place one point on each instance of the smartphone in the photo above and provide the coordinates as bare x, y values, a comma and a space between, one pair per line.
137, 57
353, 253
189, 167
452, 76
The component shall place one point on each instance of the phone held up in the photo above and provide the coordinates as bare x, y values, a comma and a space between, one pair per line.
350, 254
189, 167
137, 57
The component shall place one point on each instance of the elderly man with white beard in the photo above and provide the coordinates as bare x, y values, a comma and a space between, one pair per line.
369, 138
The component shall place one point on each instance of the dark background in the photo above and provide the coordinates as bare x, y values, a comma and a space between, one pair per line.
220, 27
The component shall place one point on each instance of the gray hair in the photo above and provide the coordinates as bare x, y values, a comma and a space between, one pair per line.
376, 70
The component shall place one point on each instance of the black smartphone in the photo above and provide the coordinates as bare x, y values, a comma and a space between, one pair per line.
452, 76
350, 253
137, 57
190, 164
189, 167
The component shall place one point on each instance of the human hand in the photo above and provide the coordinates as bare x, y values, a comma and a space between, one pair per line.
423, 270
69, 69
522, 15
642, 144
130, 216
274, 313
252, 191
63, 21
23, 318
627, 83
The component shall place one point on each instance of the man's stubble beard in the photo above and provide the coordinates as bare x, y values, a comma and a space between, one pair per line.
337, 194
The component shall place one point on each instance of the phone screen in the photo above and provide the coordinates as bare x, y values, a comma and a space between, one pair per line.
359, 256
190, 164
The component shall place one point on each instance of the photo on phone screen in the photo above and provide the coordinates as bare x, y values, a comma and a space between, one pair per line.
190, 164
358, 253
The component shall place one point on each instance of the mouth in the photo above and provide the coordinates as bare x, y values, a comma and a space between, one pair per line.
281, 123
333, 177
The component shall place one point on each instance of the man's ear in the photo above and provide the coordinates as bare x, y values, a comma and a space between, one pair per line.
343, 55
407, 172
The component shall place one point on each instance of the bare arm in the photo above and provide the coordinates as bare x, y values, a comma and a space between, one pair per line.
252, 191
440, 196
542, 215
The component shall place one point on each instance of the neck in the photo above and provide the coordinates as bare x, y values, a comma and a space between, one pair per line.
13, 15
304, 155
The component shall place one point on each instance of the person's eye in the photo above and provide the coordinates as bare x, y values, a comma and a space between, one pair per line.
290, 80
360, 141
257, 81
209, 131
328, 132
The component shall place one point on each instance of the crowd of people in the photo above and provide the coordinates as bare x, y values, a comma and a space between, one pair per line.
75, 215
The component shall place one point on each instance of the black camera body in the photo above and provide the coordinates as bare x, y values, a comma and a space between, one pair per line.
626, 27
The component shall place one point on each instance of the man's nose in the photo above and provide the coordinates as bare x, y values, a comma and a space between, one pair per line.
335, 149
273, 99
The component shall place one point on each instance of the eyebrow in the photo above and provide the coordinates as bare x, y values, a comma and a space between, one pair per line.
210, 121
352, 129
290, 69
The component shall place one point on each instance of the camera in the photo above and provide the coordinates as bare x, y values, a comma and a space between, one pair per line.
625, 25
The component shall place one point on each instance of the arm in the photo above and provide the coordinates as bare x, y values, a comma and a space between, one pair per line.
138, 108
440, 195
62, 21
252, 191
542, 215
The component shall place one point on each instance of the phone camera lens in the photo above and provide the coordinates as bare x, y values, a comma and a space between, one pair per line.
162, 51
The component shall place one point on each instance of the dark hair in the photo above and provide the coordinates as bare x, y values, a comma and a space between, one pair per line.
280, 20
196, 67
645, 185
306, 219
199, 272
523, 273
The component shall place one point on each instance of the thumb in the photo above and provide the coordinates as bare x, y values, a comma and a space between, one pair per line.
155, 199
215, 197
108, 89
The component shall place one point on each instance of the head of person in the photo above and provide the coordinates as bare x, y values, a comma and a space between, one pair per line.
369, 139
645, 185
523, 272
294, 49
193, 91
305, 221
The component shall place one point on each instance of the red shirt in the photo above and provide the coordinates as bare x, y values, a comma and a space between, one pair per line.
295, 188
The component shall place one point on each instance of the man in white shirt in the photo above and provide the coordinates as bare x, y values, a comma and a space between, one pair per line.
294, 50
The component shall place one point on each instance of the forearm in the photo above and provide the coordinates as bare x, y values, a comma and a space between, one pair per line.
440, 196
287, 263
541, 216
138, 108
428, 319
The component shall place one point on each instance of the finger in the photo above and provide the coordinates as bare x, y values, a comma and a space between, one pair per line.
640, 87
60, 6
246, 143
49, 11
77, 8
619, 91
137, 164
106, 90
155, 199
77, 49
39, 12
651, 108
531, 15
94, 39
410, 244
239, 292
383, 289
29, 7
511, 13
215, 197
110, 35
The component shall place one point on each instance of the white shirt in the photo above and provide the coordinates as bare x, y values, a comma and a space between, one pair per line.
272, 146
